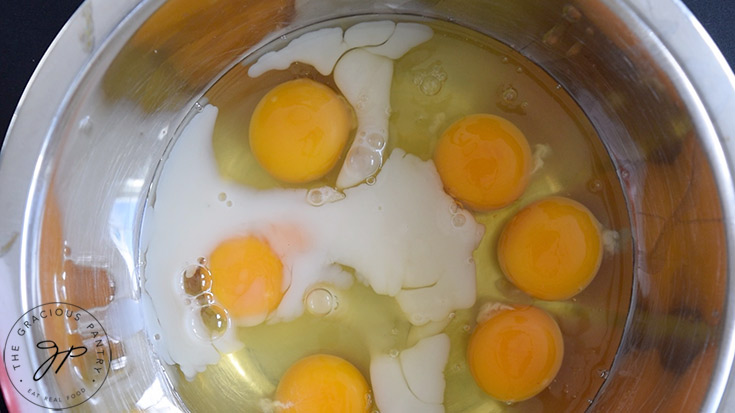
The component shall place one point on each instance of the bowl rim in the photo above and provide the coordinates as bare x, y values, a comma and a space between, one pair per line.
709, 84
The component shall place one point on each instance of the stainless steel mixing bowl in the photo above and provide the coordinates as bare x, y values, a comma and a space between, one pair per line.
101, 109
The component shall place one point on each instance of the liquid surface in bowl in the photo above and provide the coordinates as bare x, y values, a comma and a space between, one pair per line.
395, 269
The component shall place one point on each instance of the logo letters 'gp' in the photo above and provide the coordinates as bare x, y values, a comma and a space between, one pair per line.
74, 351
57, 355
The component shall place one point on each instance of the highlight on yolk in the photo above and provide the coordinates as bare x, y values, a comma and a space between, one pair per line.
323, 383
516, 353
299, 129
484, 161
247, 276
551, 249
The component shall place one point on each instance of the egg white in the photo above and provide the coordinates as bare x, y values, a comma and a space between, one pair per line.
401, 242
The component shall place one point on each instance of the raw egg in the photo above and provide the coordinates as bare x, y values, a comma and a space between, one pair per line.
247, 277
551, 249
266, 249
515, 353
299, 129
323, 383
484, 161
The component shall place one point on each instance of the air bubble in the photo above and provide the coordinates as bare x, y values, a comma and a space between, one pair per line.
594, 186
430, 86
505, 59
466, 328
322, 195
320, 301
393, 353
395, 331
439, 73
370, 180
603, 374
214, 319
228, 203
376, 140
451, 316
509, 94
458, 220
364, 161
222, 197
198, 107
205, 298
524, 106
519, 69
196, 280
66, 251
361, 102
315, 197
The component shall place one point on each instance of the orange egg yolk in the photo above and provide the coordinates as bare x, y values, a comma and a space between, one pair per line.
299, 129
516, 353
551, 249
247, 276
323, 384
484, 161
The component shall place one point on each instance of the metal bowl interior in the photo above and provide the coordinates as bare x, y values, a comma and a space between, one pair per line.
652, 101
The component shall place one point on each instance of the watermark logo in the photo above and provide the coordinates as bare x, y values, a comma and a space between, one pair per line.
57, 355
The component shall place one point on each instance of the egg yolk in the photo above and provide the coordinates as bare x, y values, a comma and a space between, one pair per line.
484, 161
299, 129
516, 353
247, 276
323, 384
551, 249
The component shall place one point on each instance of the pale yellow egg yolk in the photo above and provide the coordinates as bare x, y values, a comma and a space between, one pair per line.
323, 384
551, 249
516, 353
247, 276
299, 130
484, 161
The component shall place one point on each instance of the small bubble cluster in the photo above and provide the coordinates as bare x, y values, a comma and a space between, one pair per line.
208, 319
322, 195
459, 217
509, 98
430, 81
